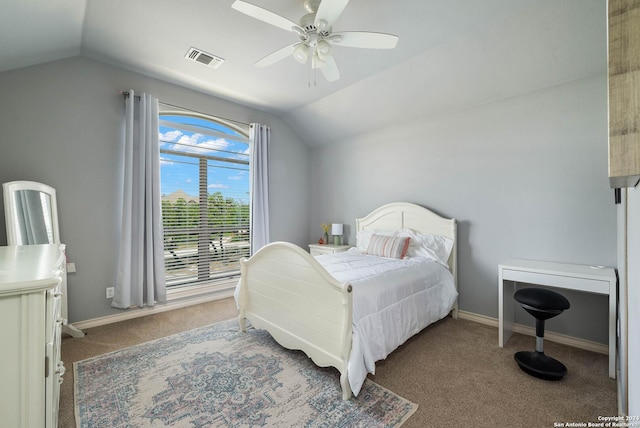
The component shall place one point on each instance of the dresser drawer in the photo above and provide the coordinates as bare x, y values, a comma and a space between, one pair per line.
317, 249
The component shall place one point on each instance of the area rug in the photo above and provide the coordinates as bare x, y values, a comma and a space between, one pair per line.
216, 376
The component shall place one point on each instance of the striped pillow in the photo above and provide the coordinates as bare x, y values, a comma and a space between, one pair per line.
388, 246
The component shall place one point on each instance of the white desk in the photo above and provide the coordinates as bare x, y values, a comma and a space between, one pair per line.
568, 276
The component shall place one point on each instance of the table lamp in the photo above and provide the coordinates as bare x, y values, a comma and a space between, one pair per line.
336, 231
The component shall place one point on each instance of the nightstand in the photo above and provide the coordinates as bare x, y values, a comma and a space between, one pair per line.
317, 249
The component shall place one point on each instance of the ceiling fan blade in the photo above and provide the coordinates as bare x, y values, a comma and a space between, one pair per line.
330, 10
276, 56
263, 15
330, 70
363, 39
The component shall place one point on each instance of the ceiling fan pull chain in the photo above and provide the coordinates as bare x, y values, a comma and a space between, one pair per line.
315, 76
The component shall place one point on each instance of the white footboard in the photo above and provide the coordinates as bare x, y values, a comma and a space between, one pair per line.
285, 291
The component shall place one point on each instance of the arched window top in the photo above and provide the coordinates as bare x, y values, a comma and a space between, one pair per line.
224, 144
202, 123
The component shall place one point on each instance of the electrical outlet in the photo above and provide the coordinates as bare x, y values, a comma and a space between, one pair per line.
71, 267
110, 292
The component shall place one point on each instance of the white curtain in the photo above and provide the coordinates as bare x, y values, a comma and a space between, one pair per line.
141, 278
259, 136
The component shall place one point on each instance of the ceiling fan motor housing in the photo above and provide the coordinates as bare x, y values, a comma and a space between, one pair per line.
308, 24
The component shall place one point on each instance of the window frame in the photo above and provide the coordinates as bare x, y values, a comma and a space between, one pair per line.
225, 279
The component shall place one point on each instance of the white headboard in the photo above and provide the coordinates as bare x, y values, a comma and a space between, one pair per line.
405, 215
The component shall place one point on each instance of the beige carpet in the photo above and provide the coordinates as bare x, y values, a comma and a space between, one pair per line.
454, 370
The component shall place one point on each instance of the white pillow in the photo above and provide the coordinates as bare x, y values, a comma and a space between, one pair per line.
363, 237
433, 247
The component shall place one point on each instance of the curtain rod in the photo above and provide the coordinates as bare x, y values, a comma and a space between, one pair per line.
126, 95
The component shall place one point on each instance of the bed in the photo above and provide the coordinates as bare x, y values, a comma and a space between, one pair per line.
315, 304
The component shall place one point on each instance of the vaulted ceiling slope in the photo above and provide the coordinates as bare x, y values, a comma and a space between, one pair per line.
451, 54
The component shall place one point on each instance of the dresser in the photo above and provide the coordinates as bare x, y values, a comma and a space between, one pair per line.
31, 280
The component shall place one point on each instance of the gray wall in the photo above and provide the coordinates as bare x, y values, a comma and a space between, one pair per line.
526, 177
61, 125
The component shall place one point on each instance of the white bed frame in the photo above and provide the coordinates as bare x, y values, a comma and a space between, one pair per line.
285, 291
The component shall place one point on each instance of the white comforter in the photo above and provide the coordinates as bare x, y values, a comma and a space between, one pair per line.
392, 301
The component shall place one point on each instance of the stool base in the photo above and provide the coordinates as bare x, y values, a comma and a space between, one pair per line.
539, 365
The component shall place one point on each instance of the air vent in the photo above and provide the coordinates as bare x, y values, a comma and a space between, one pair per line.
205, 58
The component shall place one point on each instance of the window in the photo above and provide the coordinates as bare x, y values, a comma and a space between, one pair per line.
204, 175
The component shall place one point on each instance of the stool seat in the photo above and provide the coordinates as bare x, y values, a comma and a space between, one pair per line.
542, 304
542, 299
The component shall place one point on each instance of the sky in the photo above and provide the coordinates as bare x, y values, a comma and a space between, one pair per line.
193, 135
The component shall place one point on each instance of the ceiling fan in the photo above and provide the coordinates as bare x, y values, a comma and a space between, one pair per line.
316, 36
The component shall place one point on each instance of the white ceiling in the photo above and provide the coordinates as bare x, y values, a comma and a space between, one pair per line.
451, 53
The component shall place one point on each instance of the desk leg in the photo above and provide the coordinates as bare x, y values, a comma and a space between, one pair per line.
506, 310
613, 298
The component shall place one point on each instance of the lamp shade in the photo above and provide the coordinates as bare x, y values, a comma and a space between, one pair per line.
323, 50
336, 229
301, 53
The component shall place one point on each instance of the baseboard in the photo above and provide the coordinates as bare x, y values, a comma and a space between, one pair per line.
482, 319
149, 310
576, 342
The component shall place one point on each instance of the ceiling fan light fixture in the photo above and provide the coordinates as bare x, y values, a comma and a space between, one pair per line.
323, 49
301, 53
323, 26
317, 61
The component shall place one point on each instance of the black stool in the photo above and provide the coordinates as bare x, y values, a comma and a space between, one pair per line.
542, 304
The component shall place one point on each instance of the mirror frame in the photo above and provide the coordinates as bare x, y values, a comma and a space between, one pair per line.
9, 190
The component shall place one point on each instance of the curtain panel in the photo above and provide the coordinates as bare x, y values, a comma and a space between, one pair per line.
141, 275
259, 136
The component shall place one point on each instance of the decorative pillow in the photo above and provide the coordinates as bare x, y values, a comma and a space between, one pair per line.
433, 247
363, 237
388, 246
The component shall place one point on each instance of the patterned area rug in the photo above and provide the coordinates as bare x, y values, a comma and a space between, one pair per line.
216, 376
